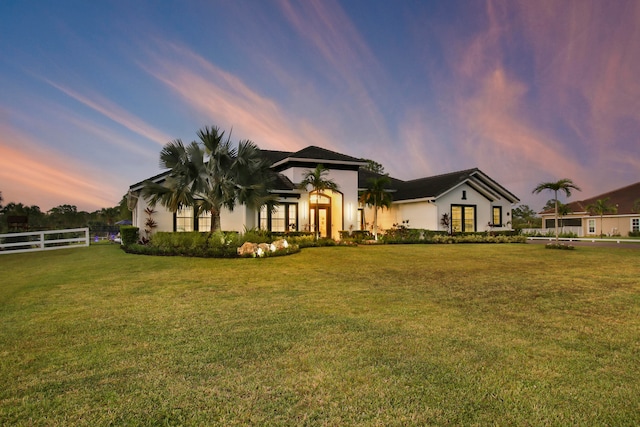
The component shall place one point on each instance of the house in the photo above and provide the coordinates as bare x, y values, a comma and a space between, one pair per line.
625, 219
472, 200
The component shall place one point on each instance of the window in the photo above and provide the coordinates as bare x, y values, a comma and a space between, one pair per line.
184, 219
591, 226
464, 194
635, 225
278, 218
283, 218
463, 218
497, 216
204, 221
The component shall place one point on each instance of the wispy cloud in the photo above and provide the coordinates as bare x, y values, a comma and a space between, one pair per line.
35, 175
115, 113
215, 93
566, 121
587, 59
330, 31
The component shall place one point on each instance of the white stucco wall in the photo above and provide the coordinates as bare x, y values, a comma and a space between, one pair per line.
484, 207
162, 217
421, 214
344, 206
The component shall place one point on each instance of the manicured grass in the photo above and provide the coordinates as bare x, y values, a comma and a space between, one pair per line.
373, 335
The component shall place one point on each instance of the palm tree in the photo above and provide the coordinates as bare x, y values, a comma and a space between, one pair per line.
565, 185
636, 206
210, 174
601, 207
318, 181
563, 210
377, 196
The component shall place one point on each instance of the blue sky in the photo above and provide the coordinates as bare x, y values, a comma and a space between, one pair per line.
526, 91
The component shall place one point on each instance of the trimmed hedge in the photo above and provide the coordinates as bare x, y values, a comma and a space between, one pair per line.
203, 245
129, 235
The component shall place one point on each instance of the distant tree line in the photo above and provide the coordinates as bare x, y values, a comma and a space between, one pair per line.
16, 217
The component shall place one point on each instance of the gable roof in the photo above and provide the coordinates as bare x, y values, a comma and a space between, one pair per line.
624, 198
437, 186
312, 155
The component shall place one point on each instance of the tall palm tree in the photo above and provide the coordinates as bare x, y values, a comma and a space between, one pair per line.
377, 196
210, 174
563, 210
318, 181
565, 185
601, 207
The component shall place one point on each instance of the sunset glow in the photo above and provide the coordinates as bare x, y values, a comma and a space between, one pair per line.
528, 91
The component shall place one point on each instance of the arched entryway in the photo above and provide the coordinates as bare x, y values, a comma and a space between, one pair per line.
320, 210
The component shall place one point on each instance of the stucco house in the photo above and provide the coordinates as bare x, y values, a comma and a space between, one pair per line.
583, 223
472, 200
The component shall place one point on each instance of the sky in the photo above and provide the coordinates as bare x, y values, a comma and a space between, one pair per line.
526, 91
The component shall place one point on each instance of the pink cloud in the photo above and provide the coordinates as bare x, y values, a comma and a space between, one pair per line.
215, 93
584, 82
329, 30
32, 174
587, 57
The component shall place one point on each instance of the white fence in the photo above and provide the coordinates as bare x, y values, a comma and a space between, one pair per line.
585, 239
13, 243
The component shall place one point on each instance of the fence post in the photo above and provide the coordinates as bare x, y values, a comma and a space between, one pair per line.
42, 240
87, 237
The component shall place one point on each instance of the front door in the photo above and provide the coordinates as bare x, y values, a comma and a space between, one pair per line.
324, 220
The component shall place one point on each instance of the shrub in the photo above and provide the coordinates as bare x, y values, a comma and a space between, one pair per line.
305, 240
634, 234
255, 235
129, 235
559, 246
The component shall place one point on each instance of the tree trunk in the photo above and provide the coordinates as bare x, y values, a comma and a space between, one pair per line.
215, 220
375, 223
316, 215
556, 216
375, 218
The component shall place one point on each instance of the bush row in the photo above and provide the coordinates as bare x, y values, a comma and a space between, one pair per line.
459, 238
226, 244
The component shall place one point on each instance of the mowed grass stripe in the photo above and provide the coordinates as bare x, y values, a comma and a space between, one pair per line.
373, 335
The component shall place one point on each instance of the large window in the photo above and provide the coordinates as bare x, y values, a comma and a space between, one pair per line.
635, 224
184, 219
591, 226
283, 218
463, 218
497, 216
204, 221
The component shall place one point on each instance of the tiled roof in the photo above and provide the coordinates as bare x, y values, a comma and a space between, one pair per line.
281, 182
435, 186
624, 198
432, 186
274, 156
312, 154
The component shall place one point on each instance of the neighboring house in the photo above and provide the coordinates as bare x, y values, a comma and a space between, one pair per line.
583, 223
472, 200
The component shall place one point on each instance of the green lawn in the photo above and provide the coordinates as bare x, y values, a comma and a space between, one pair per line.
373, 335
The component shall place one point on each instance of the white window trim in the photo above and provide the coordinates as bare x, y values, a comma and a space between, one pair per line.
631, 223
589, 222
